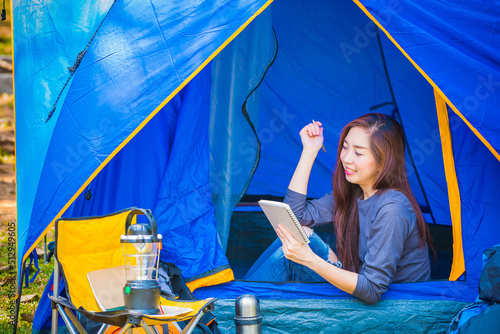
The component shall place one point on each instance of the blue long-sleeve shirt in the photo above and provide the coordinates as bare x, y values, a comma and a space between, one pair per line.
389, 242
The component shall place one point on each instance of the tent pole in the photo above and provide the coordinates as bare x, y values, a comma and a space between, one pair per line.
18, 301
55, 293
45, 249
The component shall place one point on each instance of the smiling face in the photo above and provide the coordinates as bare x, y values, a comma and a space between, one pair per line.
358, 161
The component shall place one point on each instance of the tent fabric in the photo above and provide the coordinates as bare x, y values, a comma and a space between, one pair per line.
432, 290
345, 316
166, 168
79, 140
41, 321
46, 48
478, 174
468, 35
234, 148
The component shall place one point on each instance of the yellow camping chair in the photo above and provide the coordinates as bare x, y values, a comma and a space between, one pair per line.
89, 244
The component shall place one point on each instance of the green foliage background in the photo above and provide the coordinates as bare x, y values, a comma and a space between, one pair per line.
5, 31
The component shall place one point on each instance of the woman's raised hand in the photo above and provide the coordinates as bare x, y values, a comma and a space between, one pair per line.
311, 136
312, 140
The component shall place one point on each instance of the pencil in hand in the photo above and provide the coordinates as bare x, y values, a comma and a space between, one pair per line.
322, 146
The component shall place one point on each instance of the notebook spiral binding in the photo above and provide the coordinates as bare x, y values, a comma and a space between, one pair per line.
297, 223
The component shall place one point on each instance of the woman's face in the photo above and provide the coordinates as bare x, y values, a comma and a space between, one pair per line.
358, 161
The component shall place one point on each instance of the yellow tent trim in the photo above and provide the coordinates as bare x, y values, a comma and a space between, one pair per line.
455, 109
458, 266
223, 276
139, 128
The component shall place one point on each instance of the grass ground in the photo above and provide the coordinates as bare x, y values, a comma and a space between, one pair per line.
32, 293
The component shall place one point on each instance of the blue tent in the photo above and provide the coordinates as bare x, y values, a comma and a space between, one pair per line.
185, 107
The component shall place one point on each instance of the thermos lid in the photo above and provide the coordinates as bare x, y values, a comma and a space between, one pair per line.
247, 306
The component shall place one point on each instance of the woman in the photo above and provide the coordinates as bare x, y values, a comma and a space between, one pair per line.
381, 236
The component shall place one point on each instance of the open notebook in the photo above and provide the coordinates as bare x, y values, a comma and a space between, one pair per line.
107, 286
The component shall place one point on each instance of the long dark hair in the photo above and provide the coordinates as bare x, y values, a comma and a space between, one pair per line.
388, 149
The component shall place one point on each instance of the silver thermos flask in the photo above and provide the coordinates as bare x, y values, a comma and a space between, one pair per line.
248, 319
